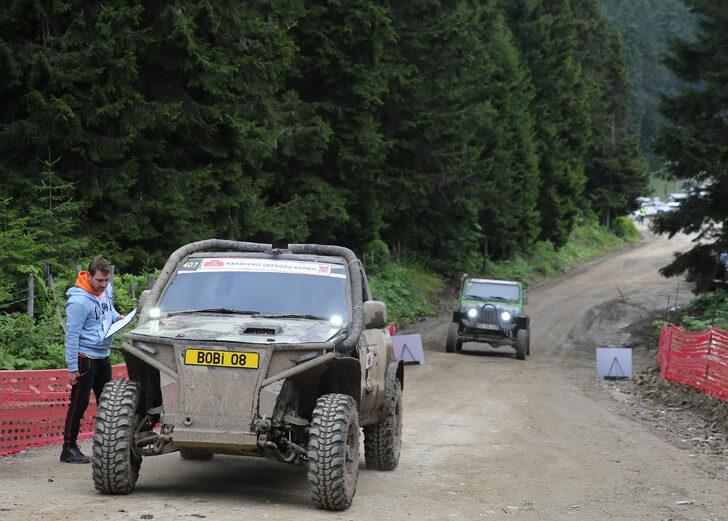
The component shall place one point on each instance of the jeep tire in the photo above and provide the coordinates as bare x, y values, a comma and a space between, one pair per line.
333, 451
522, 344
451, 344
195, 455
114, 462
383, 440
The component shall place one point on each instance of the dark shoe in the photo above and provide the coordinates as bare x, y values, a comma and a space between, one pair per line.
73, 455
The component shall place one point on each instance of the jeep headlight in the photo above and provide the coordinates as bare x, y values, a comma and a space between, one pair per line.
505, 316
472, 313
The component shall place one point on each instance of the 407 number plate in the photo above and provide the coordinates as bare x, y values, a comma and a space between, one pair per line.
221, 358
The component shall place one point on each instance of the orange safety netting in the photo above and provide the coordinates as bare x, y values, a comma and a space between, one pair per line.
696, 359
33, 408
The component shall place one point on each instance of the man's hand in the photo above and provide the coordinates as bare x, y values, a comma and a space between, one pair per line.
120, 317
73, 377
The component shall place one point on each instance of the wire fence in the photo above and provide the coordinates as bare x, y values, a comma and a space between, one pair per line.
30, 298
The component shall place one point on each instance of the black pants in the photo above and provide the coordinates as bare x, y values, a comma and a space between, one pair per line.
93, 374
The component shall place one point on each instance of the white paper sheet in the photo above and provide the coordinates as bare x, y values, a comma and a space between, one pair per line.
409, 348
116, 326
614, 362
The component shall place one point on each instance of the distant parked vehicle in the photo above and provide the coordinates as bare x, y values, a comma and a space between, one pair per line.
652, 208
676, 199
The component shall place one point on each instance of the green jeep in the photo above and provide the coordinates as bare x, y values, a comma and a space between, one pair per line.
490, 311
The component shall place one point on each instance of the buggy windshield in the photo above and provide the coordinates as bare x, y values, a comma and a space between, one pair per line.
492, 290
266, 287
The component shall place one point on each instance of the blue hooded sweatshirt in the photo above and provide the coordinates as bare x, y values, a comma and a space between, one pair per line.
88, 317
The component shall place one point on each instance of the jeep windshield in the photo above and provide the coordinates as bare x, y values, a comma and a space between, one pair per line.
492, 291
271, 288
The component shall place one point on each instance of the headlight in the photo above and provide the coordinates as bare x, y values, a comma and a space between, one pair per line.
472, 313
505, 316
155, 313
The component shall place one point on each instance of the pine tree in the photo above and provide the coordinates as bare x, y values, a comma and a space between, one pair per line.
461, 174
546, 33
646, 27
615, 172
695, 144
330, 170
164, 114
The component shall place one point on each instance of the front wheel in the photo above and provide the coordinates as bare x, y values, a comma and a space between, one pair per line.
521, 344
451, 344
383, 440
333, 451
114, 462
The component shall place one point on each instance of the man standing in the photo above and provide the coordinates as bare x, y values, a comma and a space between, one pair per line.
89, 314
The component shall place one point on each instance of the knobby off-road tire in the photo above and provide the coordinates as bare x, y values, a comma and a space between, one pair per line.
333, 451
383, 440
194, 455
451, 344
521, 344
114, 464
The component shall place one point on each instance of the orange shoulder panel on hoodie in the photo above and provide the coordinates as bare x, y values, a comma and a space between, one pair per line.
83, 283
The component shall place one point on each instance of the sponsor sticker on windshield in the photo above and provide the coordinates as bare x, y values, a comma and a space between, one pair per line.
494, 281
232, 264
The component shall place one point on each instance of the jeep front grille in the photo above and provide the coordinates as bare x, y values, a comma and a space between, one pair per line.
488, 315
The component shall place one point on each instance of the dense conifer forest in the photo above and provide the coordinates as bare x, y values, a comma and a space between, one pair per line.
453, 132
439, 128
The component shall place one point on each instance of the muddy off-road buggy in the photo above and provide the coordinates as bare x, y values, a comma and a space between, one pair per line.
490, 311
248, 350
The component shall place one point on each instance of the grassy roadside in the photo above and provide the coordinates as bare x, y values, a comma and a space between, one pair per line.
411, 291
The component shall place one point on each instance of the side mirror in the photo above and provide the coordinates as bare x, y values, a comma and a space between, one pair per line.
375, 314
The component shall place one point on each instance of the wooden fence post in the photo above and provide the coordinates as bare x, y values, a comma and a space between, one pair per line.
150, 281
31, 294
47, 274
132, 289
52, 287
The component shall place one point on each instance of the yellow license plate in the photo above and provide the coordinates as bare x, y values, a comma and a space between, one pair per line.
221, 358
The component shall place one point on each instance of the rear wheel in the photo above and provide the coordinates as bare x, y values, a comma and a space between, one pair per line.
115, 463
195, 455
333, 452
383, 440
521, 344
451, 344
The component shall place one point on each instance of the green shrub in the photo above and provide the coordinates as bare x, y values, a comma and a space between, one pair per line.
376, 256
31, 344
709, 309
588, 241
624, 228
408, 291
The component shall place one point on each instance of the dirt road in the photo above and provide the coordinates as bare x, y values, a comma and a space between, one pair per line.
485, 437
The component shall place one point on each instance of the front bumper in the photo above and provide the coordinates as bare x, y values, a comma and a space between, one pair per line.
487, 335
